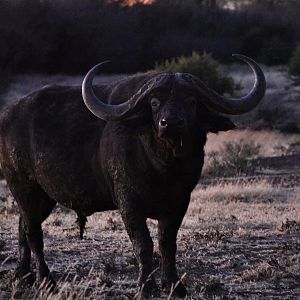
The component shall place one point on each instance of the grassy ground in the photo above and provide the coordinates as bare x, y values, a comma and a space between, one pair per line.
239, 239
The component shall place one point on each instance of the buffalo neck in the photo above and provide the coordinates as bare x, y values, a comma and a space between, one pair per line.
161, 156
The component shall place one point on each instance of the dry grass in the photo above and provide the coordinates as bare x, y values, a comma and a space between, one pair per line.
242, 207
224, 241
231, 153
271, 143
253, 192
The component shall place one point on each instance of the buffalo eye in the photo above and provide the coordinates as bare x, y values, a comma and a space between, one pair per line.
155, 103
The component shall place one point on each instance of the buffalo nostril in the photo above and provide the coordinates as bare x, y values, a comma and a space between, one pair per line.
163, 123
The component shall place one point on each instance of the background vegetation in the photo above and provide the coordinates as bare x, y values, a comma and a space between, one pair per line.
204, 66
69, 36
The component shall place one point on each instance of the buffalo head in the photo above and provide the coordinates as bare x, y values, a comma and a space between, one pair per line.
178, 103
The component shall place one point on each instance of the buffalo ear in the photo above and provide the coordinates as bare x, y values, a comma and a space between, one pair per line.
216, 123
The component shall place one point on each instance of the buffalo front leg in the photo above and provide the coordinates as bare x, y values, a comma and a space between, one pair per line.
167, 234
139, 235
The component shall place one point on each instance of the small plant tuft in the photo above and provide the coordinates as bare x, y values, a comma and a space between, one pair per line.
203, 66
110, 264
260, 272
212, 237
112, 224
212, 289
290, 226
10, 206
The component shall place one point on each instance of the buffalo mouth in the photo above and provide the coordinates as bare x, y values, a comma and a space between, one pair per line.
176, 144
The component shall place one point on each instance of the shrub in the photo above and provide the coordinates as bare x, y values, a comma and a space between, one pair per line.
294, 65
232, 159
204, 66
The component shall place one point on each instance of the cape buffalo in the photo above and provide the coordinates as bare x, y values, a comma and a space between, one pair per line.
140, 151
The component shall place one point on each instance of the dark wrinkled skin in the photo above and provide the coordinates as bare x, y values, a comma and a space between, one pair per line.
53, 150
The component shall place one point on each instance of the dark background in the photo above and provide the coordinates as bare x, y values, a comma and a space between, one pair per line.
69, 36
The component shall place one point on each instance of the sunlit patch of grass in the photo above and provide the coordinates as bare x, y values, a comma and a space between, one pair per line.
242, 206
257, 192
271, 143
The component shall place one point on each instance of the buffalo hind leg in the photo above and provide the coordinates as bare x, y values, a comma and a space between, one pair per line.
23, 271
35, 206
167, 234
142, 243
34, 235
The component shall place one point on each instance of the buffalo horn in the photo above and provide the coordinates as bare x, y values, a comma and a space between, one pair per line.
99, 108
235, 106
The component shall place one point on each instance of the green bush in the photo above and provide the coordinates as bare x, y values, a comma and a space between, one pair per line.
203, 66
294, 65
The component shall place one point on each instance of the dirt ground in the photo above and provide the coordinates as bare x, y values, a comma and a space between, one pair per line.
239, 240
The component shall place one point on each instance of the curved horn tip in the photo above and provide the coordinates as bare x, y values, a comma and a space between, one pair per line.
237, 55
92, 72
243, 57
103, 62
99, 65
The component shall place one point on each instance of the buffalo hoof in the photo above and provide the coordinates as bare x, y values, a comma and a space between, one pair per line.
21, 283
148, 290
175, 289
23, 277
20, 290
